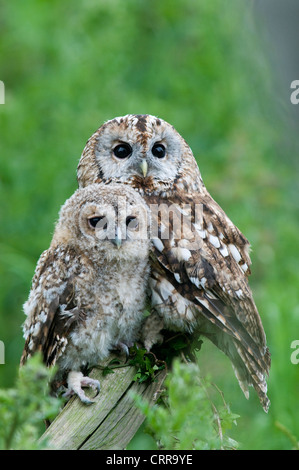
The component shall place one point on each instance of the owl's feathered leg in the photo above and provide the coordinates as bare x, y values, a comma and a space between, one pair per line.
75, 381
151, 330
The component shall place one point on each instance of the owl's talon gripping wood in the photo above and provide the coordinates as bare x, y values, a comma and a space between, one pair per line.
76, 381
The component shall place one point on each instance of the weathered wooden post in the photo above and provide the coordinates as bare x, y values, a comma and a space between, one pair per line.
112, 420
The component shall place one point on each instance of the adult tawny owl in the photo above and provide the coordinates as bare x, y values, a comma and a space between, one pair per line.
89, 288
200, 260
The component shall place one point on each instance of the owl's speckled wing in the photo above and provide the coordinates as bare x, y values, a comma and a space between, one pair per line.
199, 282
50, 310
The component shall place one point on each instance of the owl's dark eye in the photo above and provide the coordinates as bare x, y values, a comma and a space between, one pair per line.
159, 151
98, 222
122, 150
131, 222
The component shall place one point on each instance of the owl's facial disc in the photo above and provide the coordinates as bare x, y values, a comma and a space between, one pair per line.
151, 149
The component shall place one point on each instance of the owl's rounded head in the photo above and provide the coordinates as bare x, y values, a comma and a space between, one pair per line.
105, 220
142, 150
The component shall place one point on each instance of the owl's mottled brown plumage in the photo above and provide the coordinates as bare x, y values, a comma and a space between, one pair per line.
89, 288
199, 266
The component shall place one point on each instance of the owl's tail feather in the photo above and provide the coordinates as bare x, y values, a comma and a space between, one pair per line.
249, 370
249, 373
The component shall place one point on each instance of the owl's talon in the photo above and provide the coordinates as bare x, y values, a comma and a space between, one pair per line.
124, 348
94, 384
76, 381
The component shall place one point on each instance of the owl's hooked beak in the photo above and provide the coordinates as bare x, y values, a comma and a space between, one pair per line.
117, 240
144, 167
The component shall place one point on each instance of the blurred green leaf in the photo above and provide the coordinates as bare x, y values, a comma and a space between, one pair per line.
187, 419
24, 408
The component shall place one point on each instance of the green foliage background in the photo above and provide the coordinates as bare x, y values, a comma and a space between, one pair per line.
202, 66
